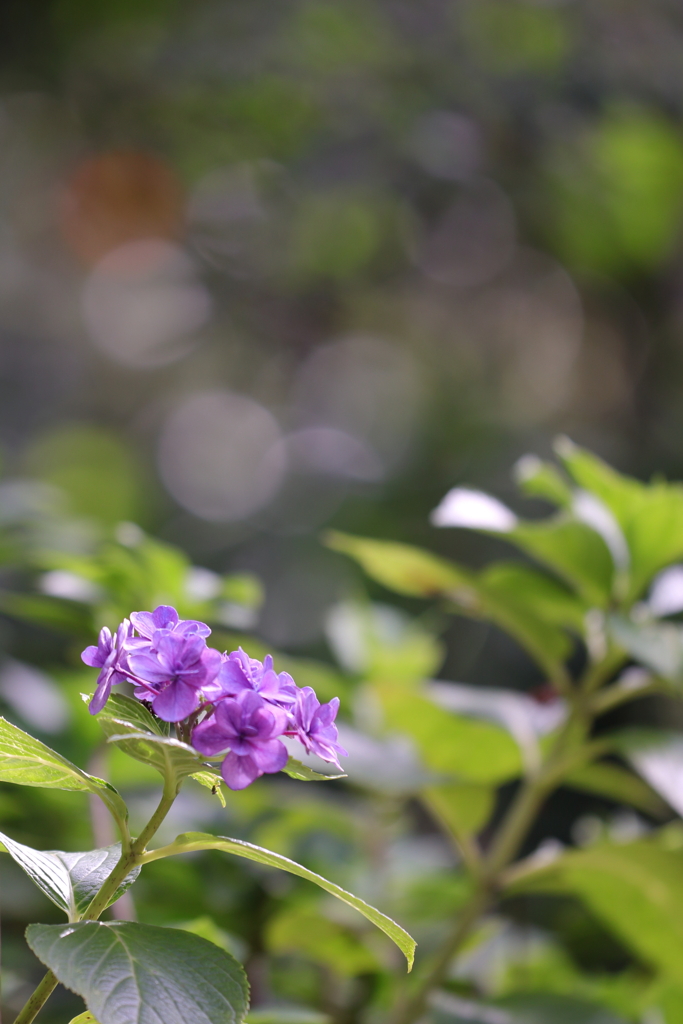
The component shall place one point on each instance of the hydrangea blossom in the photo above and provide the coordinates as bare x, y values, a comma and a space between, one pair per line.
227, 704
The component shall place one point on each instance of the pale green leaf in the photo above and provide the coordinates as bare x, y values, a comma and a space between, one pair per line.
539, 479
418, 573
572, 550
131, 973
650, 515
400, 567
26, 761
127, 723
296, 770
70, 880
209, 780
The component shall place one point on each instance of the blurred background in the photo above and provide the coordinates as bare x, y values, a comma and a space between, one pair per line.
265, 268
270, 268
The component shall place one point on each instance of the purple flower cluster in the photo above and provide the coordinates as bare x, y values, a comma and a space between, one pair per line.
230, 703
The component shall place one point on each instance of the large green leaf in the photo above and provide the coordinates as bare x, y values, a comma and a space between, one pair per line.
191, 841
573, 550
451, 744
400, 567
650, 515
636, 889
131, 973
70, 880
26, 761
491, 595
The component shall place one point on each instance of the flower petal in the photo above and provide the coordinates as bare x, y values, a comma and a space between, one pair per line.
176, 702
239, 772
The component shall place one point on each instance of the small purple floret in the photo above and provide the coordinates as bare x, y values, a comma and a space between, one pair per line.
107, 657
315, 728
248, 727
165, 617
239, 674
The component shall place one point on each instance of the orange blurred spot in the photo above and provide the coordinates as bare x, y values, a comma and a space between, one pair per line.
119, 197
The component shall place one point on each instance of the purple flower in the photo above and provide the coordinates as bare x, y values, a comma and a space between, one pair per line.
107, 656
314, 725
172, 671
166, 617
248, 727
239, 674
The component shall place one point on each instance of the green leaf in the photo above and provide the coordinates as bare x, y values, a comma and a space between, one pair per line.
531, 608
539, 479
537, 594
26, 761
451, 744
419, 573
399, 567
616, 783
571, 549
84, 1018
635, 889
296, 770
128, 724
191, 841
70, 880
657, 645
130, 973
211, 781
650, 515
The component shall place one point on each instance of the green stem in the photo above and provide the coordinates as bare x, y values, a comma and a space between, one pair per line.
618, 694
414, 1007
130, 858
521, 814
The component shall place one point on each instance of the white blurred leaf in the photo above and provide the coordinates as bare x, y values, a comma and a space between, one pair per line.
475, 509
666, 594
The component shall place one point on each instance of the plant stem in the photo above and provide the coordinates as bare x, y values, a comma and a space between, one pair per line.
129, 859
513, 829
414, 1007
37, 999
